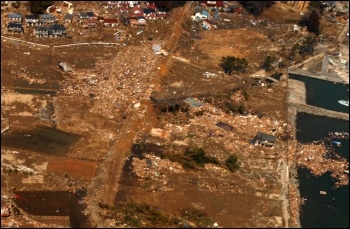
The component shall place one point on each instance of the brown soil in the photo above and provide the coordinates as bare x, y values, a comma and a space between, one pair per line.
72, 167
229, 43
106, 128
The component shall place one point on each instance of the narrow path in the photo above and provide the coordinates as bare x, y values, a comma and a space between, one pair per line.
104, 185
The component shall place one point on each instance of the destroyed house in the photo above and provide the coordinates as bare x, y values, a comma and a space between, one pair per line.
208, 24
65, 67
225, 126
265, 139
138, 22
193, 103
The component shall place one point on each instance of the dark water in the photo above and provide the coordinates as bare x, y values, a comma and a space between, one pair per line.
59, 203
331, 210
321, 93
41, 139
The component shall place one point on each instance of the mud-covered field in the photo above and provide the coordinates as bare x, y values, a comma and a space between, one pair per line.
94, 130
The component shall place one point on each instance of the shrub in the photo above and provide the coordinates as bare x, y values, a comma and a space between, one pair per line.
232, 163
192, 158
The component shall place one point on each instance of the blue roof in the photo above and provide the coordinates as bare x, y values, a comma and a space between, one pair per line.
14, 25
15, 16
204, 12
193, 103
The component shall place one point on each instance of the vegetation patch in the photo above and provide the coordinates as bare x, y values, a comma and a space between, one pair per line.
192, 158
132, 214
232, 163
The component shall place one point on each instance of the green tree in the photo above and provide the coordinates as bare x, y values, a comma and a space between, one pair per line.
313, 23
231, 63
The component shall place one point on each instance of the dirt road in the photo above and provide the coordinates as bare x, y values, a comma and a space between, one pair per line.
105, 184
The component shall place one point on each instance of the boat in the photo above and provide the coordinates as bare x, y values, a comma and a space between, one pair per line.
344, 102
337, 143
323, 192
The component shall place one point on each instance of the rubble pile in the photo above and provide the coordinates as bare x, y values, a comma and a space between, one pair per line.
248, 124
294, 202
238, 97
117, 83
313, 157
30, 79
154, 166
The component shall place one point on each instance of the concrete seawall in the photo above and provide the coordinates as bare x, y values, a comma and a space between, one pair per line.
316, 75
304, 108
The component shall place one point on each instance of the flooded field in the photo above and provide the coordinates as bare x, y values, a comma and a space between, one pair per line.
40, 139
60, 203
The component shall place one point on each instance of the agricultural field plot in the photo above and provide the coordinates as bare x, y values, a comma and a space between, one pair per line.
99, 139
48, 203
72, 167
40, 139
27, 67
26, 109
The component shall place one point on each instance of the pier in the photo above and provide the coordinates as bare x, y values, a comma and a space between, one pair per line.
304, 108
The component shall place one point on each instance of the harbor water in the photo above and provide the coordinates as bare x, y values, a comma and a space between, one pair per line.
332, 209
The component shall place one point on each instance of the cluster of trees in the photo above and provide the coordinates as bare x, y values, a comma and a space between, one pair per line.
39, 7
312, 22
256, 7
231, 63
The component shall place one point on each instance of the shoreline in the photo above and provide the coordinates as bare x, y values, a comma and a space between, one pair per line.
295, 159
